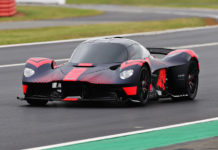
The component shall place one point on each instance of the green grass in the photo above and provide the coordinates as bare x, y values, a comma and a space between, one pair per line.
162, 3
46, 12
81, 31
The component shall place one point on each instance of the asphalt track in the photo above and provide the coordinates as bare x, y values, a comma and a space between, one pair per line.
212, 13
107, 17
115, 13
22, 126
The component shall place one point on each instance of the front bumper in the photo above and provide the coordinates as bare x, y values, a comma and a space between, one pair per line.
77, 91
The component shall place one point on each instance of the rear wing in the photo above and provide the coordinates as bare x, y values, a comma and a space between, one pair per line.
163, 51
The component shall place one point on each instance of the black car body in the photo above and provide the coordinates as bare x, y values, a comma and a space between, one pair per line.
112, 69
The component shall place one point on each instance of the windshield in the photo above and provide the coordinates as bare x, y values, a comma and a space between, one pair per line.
99, 53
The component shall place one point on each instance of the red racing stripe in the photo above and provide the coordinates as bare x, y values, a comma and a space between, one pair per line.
74, 74
188, 51
37, 62
131, 63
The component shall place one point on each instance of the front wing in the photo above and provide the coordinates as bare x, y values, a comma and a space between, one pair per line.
77, 91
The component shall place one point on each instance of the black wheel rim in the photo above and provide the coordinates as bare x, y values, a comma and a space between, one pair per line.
144, 85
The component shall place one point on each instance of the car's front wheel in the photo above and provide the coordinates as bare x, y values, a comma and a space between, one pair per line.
143, 87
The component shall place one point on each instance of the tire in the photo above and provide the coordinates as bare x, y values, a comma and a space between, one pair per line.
192, 80
143, 87
37, 102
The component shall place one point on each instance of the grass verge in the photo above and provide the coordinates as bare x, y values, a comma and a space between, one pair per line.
81, 31
166, 3
47, 12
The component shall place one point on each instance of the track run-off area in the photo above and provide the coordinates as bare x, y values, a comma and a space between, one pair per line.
145, 139
23, 126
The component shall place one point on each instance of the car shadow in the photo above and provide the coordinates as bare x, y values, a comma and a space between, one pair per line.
100, 105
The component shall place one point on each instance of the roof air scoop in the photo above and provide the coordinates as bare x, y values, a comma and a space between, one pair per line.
85, 65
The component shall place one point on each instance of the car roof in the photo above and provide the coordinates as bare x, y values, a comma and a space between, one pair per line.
116, 40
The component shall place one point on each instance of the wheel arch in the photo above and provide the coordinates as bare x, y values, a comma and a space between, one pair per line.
37, 62
197, 61
41, 67
147, 65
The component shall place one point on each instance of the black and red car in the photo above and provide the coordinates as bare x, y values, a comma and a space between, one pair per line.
115, 69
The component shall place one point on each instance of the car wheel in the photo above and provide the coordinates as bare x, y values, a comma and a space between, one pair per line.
143, 87
37, 102
192, 80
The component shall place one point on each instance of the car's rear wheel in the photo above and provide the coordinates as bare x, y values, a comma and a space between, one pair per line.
37, 102
192, 80
143, 87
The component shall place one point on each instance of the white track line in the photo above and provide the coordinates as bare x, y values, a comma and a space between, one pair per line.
12, 65
122, 35
66, 59
22, 64
196, 45
123, 134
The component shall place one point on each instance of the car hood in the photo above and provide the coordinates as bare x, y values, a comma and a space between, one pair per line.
90, 68
102, 73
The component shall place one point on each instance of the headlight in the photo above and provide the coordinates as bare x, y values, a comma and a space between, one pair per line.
28, 72
126, 74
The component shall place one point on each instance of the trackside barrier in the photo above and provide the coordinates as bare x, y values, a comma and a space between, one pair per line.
7, 8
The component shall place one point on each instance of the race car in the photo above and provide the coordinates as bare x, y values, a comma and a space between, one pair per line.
112, 69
